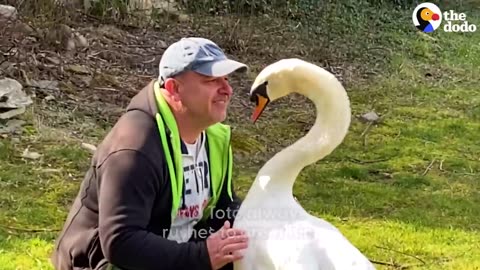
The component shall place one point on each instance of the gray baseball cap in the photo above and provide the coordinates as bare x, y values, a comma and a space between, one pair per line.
196, 54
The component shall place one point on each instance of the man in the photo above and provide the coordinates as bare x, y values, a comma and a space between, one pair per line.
158, 194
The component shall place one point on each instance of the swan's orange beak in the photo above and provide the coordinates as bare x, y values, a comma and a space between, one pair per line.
261, 104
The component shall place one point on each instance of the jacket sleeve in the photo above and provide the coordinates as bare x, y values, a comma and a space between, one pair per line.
127, 192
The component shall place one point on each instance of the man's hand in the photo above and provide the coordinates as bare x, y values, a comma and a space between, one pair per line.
224, 245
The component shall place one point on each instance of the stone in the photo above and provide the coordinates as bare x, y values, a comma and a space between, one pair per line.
370, 117
13, 99
8, 12
11, 126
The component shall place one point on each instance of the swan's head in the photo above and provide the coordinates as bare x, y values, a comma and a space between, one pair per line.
273, 82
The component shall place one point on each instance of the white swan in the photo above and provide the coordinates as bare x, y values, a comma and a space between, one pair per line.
282, 235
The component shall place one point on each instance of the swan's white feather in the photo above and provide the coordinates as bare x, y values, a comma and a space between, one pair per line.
282, 235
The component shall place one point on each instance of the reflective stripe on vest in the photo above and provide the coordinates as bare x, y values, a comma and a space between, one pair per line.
219, 153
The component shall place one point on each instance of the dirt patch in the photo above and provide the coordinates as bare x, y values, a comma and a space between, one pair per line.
97, 68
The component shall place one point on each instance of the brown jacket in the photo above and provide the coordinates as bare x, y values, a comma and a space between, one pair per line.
121, 214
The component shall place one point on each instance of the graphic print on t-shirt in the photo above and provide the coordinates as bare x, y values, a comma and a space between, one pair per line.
196, 191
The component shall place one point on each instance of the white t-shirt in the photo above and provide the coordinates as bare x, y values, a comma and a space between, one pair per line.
196, 191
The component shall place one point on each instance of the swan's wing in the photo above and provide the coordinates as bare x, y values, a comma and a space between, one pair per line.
334, 248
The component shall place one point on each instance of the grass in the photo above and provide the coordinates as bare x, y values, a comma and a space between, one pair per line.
405, 191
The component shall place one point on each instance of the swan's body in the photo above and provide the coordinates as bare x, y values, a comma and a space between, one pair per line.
282, 235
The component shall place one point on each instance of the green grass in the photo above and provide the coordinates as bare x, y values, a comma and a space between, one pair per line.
405, 191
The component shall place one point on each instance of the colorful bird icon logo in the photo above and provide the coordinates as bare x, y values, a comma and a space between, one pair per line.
427, 17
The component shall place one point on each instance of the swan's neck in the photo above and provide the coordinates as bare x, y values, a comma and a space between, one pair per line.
330, 128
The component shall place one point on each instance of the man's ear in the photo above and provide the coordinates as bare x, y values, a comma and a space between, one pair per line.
171, 85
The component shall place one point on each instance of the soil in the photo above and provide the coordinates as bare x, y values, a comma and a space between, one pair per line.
96, 68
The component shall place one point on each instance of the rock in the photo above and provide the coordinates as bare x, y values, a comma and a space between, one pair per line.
111, 56
22, 27
183, 18
76, 41
8, 88
11, 126
161, 44
7, 68
80, 41
59, 33
30, 155
53, 60
70, 45
13, 99
49, 170
45, 84
49, 97
65, 37
90, 147
87, 80
110, 32
369, 117
8, 12
11, 113
77, 69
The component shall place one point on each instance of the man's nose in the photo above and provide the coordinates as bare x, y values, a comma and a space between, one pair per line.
226, 88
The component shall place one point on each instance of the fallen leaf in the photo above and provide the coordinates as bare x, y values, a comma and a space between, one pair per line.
90, 147
30, 155
77, 69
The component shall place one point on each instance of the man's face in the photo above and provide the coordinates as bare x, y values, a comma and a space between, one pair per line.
204, 98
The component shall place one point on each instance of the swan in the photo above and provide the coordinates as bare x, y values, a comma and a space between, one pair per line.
282, 235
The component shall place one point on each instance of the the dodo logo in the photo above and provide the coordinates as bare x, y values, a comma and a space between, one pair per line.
427, 17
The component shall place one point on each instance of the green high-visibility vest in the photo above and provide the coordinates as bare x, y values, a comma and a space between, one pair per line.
219, 155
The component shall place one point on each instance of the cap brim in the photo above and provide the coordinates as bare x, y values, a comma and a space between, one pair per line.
221, 68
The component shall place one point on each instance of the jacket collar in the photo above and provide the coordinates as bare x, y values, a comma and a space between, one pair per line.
144, 100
